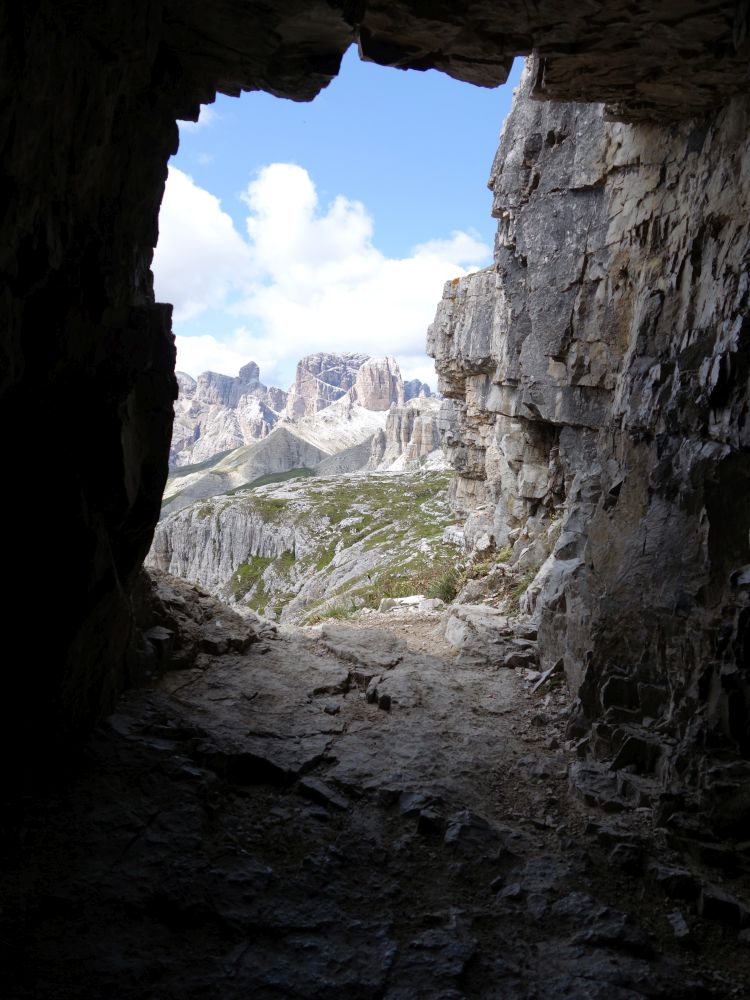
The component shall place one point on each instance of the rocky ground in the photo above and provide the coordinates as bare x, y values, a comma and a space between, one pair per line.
350, 811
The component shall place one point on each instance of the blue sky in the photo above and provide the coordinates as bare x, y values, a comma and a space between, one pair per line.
288, 228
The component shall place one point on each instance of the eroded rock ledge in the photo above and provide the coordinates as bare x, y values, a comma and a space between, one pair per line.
598, 421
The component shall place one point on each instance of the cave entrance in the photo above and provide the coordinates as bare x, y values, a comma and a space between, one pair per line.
312, 255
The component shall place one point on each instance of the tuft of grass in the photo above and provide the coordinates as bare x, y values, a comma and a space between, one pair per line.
336, 611
445, 587
248, 576
269, 508
285, 561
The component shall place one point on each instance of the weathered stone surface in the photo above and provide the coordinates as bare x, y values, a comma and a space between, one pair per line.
378, 384
230, 836
597, 384
309, 544
410, 438
484, 634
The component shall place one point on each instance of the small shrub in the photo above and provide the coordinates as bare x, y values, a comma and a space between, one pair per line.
519, 589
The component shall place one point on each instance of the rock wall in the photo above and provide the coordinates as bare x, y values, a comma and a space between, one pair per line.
89, 96
598, 391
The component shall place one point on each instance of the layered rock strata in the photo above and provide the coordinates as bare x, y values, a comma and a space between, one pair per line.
598, 391
410, 437
309, 545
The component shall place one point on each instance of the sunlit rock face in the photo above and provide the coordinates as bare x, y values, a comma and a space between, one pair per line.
527, 350
320, 379
598, 391
90, 94
410, 438
218, 413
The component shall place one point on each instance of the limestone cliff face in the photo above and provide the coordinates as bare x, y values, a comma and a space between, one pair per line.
320, 380
597, 412
411, 436
199, 546
218, 413
527, 351
287, 549
378, 384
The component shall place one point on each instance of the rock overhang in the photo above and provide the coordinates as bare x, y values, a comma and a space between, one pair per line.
645, 60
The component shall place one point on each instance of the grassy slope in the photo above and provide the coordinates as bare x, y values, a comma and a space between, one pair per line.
361, 538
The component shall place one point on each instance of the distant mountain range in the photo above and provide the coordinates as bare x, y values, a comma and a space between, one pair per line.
345, 412
218, 413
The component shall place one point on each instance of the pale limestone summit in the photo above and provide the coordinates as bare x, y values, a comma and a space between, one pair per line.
320, 380
218, 413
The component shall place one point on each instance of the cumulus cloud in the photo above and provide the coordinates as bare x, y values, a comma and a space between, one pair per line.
200, 257
306, 277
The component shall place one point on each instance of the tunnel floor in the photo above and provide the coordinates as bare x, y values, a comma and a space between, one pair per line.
338, 813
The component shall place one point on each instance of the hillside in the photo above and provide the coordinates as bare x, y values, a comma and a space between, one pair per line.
314, 547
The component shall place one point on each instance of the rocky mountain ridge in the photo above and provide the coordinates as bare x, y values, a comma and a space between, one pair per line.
370, 425
218, 413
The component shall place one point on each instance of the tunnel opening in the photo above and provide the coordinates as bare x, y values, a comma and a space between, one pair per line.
310, 276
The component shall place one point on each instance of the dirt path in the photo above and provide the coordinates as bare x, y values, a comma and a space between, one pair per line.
422, 631
341, 813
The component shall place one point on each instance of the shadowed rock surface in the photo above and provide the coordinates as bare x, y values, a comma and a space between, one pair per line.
332, 813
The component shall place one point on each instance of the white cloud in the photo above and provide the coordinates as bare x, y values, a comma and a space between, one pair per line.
207, 116
306, 278
200, 256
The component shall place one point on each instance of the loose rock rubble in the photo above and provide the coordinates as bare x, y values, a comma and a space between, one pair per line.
332, 812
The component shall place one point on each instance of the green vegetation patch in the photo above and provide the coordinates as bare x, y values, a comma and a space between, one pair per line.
337, 611
269, 508
188, 470
519, 589
445, 586
273, 477
248, 575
